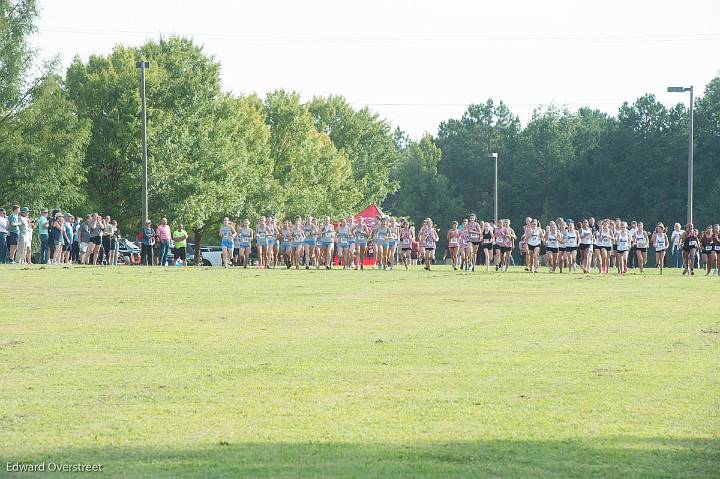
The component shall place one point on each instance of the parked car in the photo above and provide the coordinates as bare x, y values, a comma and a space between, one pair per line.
127, 249
211, 255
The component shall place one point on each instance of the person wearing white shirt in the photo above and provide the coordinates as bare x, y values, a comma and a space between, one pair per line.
3, 235
675, 239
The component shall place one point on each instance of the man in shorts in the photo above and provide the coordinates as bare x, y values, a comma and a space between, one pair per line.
180, 237
13, 232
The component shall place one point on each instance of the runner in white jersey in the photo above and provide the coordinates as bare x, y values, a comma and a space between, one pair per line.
475, 233
343, 244
586, 243
464, 245
453, 239
429, 241
624, 242
641, 239
660, 243
532, 240
552, 245
286, 243
392, 242
604, 244
227, 233
571, 245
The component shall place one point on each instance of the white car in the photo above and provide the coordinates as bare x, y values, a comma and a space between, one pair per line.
211, 255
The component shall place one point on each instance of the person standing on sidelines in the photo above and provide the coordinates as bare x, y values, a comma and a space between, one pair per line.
165, 239
3, 236
43, 234
13, 233
676, 240
96, 231
180, 237
660, 243
25, 238
148, 241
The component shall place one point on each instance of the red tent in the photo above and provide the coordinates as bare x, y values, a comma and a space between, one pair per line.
369, 213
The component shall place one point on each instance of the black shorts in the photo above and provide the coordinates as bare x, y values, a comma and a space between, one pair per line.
660, 250
180, 253
561, 249
643, 250
552, 250
532, 247
584, 246
505, 249
487, 246
475, 242
406, 249
66, 247
607, 248
687, 249
570, 248
427, 248
708, 252
106, 243
236, 251
12, 239
96, 240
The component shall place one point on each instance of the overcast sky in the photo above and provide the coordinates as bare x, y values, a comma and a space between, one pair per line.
418, 63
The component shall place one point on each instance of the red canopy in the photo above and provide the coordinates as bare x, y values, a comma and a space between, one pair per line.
369, 213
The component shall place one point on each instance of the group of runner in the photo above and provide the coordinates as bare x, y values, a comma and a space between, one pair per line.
566, 245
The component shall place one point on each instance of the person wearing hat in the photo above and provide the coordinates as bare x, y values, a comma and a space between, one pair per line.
44, 232
148, 241
13, 232
3, 235
25, 229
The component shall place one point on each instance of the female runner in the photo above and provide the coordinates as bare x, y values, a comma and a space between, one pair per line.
605, 242
327, 239
309, 233
261, 233
343, 243
382, 243
475, 232
499, 238
488, 237
227, 233
272, 247
362, 232
465, 246
286, 244
707, 241
429, 241
552, 245
392, 242
586, 243
533, 239
407, 235
624, 242
689, 243
717, 249
298, 243
660, 243
641, 238
571, 244
246, 235
351, 228
453, 239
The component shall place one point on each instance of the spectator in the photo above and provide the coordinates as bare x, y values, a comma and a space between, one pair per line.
675, 239
180, 237
13, 232
69, 237
84, 240
148, 241
164, 238
107, 234
25, 230
43, 233
114, 244
96, 232
3, 236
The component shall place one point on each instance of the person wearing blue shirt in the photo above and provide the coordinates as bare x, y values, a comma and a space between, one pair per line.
148, 240
44, 233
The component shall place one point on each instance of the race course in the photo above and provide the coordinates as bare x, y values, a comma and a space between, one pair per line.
164, 372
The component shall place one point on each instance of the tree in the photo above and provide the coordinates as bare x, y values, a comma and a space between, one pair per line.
424, 191
17, 22
42, 151
365, 139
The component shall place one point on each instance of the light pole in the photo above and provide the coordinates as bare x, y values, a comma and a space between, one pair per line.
495, 157
142, 65
682, 89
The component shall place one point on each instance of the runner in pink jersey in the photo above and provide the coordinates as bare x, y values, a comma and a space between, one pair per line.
465, 245
429, 240
453, 239
475, 239
407, 235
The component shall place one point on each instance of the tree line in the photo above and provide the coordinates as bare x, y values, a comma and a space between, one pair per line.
72, 140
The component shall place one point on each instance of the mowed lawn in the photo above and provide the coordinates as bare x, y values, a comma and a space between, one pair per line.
245, 373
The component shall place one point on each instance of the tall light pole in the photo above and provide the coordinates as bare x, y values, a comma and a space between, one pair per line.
495, 157
682, 89
142, 65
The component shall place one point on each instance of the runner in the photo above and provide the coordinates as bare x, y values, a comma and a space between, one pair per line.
707, 241
453, 239
717, 249
298, 237
604, 243
475, 240
586, 246
571, 245
640, 241
327, 239
286, 244
660, 243
227, 233
392, 242
624, 243
261, 234
488, 236
246, 235
362, 232
382, 242
429, 240
406, 239
343, 244
533, 239
309, 234
552, 246
689, 243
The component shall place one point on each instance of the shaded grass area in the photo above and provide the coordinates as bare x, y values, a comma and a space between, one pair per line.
326, 374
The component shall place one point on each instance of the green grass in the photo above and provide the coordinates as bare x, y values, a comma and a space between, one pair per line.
227, 373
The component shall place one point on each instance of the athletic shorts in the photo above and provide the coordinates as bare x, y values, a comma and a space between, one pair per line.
262, 243
106, 243
391, 244
552, 250
533, 246
12, 239
570, 248
236, 251
361, 243
486, 246
326, 244
96, 240
409, 248
660, 250
505, 249
584, 246
642, 249
180, 253
687, 249
244, 245
622, 251
429, 248
228, 244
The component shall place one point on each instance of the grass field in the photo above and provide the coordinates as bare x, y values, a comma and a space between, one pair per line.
226, 373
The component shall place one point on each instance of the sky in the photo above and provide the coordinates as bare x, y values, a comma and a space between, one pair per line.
418, 63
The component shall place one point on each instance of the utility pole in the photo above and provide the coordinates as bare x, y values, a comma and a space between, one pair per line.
142, 65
